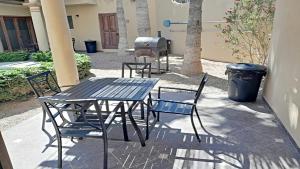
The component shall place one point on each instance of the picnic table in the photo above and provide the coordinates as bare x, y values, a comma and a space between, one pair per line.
134, 90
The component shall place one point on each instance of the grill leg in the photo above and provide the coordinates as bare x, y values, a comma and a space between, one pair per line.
158, 64
167, 69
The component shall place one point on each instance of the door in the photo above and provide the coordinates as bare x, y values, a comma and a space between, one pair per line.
109, 30
26, 33
17, 33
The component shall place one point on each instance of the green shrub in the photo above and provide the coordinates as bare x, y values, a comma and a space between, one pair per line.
42, 56
13, 83
83, 65
14, 56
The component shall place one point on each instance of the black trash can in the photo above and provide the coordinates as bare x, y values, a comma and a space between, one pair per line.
244, 81
91, 46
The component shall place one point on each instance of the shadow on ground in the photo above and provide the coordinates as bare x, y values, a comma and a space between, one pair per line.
170, 147
235, 136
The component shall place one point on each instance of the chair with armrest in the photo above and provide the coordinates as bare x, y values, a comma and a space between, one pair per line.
92, 123
177, 107
44, 84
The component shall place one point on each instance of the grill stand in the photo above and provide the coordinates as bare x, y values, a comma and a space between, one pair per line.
157, 69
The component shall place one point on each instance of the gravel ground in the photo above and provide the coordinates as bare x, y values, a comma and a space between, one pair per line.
109, 65
14, 112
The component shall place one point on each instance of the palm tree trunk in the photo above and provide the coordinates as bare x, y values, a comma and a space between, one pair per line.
142, 18
192, 55
123, 41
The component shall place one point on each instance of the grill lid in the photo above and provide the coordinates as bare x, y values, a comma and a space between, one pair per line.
150, 42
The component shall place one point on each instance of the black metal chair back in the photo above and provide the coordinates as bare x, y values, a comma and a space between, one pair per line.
52, 106
177, 107
43, 84
200, 88
137, 66
90, 123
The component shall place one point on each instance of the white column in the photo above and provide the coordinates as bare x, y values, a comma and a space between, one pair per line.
60, 42
39, 27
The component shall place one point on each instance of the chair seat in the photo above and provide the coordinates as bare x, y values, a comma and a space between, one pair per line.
79, 128
82, 132
168, 106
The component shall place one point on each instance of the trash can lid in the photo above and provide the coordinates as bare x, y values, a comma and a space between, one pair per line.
90, 41
247, 67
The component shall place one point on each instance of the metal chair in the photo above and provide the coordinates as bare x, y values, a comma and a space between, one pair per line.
177, 107
92, 123
138, 67
44, 84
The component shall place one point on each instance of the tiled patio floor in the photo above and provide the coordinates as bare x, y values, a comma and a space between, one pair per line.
237, 135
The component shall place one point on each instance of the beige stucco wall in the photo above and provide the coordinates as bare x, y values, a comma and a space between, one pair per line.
87, 26
13, 10
213, 46
282, 90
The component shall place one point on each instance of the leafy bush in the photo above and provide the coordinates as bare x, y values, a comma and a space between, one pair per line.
13, 83
83, 65
83, 61
14, 56
248, 28
42, 56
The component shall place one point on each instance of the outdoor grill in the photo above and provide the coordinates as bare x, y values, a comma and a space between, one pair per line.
153, 47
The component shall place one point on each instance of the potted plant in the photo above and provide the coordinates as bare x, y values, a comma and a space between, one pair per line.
247, 33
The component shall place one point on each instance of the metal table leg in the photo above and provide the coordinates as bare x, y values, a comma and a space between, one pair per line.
137, 129
142, 110
125, 133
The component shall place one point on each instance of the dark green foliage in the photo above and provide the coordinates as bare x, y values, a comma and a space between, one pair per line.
42, 56
83, 65
13, 83
14, 56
